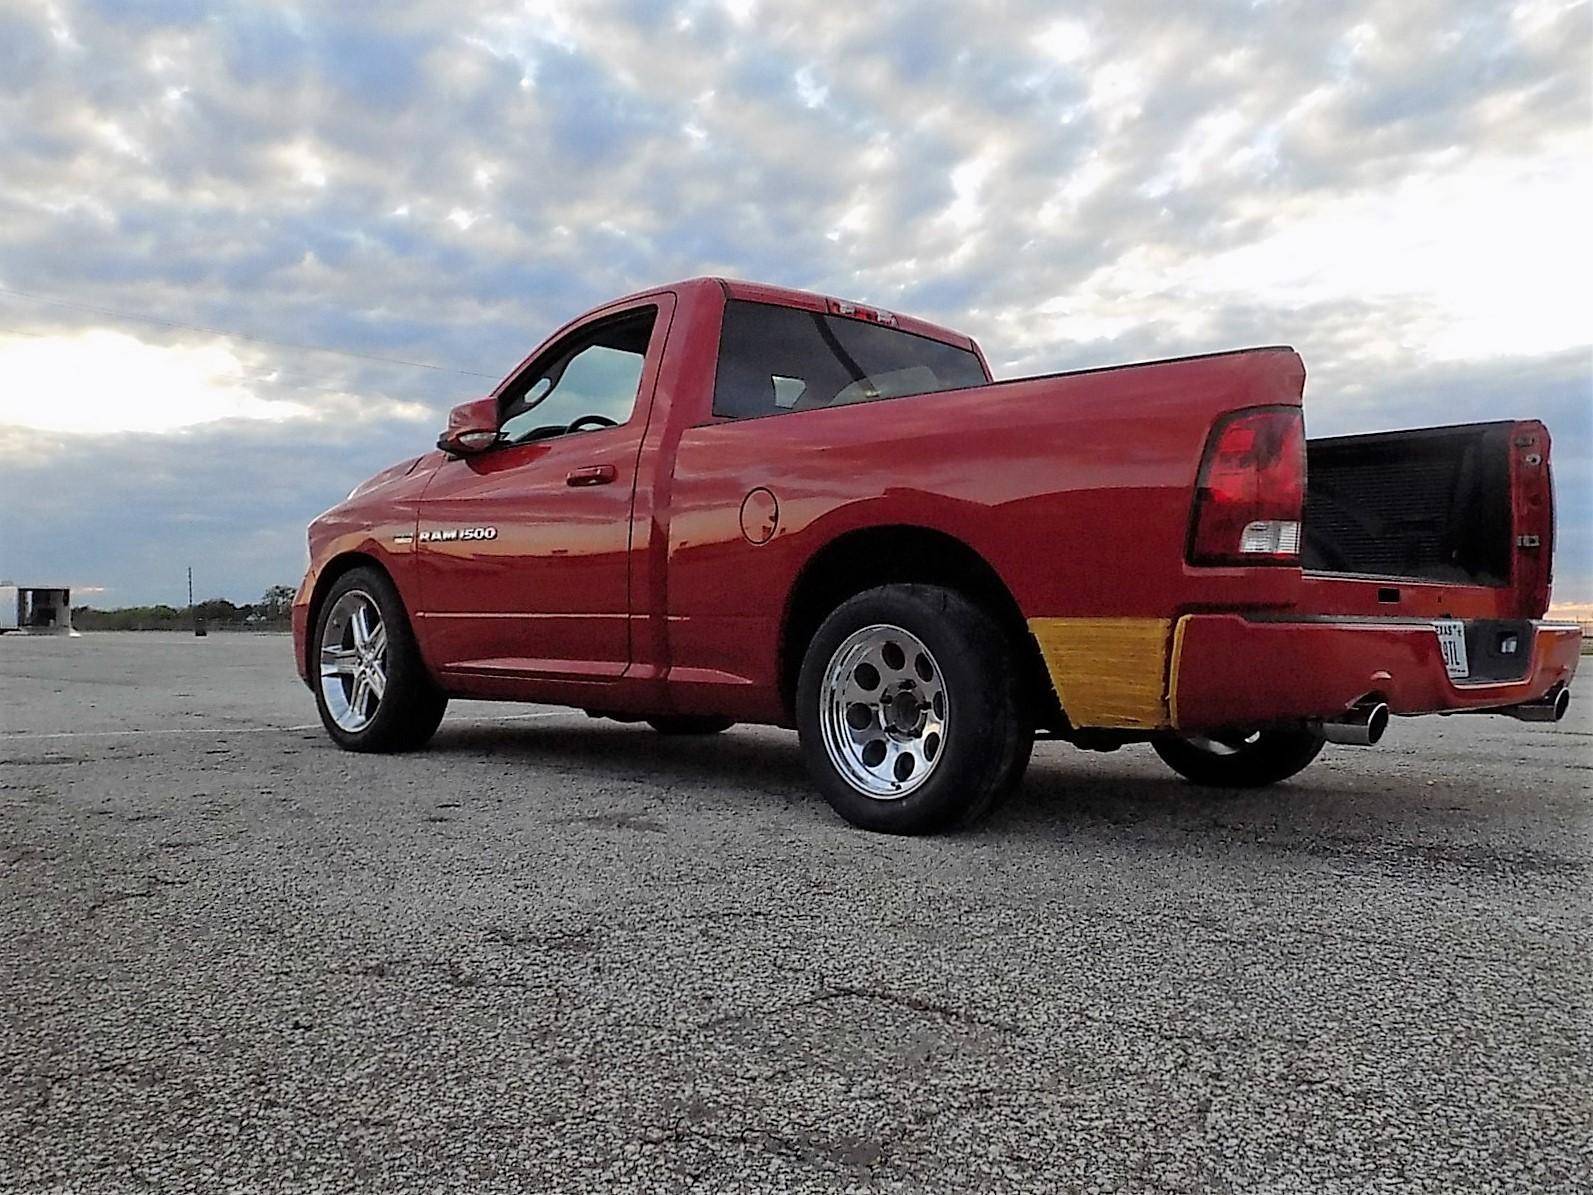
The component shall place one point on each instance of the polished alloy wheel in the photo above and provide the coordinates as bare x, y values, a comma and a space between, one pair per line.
354, 660
883, 712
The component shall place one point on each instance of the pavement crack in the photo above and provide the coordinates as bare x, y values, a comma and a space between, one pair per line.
581, 940
921, 1005
845, 991
777, 1010
121, 1067
979, 1100
116, 898
857, 1153
50, 1080
156, 882
677, 1133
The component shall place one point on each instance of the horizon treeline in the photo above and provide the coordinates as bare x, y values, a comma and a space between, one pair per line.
272, 611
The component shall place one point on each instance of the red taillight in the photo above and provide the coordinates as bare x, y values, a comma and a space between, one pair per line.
1250, 495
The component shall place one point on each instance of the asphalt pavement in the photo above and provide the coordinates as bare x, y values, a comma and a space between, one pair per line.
556, 954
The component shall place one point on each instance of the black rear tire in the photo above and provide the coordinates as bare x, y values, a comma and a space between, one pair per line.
986, 733
411, 705
688, 724
1253, 761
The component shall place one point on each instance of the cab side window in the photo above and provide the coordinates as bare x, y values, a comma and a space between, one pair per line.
776, 359
587, 383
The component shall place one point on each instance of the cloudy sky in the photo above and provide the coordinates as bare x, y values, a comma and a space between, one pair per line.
199, 200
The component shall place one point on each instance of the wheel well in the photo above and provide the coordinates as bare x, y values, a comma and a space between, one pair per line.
877, 556
334, 569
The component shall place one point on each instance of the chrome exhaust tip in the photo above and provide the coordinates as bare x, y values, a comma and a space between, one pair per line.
1550, 707
1363, 726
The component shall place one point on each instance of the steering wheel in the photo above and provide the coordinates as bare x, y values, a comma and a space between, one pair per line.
595, 421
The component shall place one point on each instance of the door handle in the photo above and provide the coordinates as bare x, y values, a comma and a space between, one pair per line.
591, 475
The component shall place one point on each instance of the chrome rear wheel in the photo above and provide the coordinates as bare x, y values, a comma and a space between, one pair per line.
885, 714
908, 709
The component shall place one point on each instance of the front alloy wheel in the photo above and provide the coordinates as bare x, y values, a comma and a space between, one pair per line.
354, 661
372, 688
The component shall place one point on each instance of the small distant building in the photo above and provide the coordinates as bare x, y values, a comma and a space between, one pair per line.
36, 609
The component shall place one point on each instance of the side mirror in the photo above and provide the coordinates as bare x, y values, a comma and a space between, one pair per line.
472, 428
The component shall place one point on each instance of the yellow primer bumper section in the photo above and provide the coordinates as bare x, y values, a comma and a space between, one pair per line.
1109, 673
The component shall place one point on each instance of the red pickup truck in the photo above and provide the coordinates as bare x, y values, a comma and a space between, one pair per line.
719, 502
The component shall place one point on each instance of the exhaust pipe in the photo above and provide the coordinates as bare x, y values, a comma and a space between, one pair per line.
1550, 707
1363, 726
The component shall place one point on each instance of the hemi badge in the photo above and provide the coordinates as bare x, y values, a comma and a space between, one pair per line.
403, 539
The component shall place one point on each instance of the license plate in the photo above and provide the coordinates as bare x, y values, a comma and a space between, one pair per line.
1452, 642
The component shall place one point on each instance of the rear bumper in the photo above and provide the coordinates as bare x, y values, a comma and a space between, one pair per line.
1226, 670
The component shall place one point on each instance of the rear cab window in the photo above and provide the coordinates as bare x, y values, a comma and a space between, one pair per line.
774, 360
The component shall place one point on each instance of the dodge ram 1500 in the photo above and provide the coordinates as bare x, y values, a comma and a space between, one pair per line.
718, 502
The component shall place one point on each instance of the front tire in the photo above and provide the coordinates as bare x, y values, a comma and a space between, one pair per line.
908, 710
1252, 760
371, 687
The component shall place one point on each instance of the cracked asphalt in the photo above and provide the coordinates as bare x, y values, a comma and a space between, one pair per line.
557, 954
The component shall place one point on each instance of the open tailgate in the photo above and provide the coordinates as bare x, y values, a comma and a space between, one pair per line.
1456, 520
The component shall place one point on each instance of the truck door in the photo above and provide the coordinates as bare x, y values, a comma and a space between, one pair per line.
524, 550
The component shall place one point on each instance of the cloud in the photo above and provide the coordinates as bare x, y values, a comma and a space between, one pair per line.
1394, 187
113, 382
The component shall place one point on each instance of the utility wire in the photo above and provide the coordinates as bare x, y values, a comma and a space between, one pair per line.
281, 344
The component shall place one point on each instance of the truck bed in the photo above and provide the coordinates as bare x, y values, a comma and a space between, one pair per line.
1430, 505
1442, 519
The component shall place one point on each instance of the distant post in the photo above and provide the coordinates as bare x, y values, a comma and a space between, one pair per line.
199, 623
